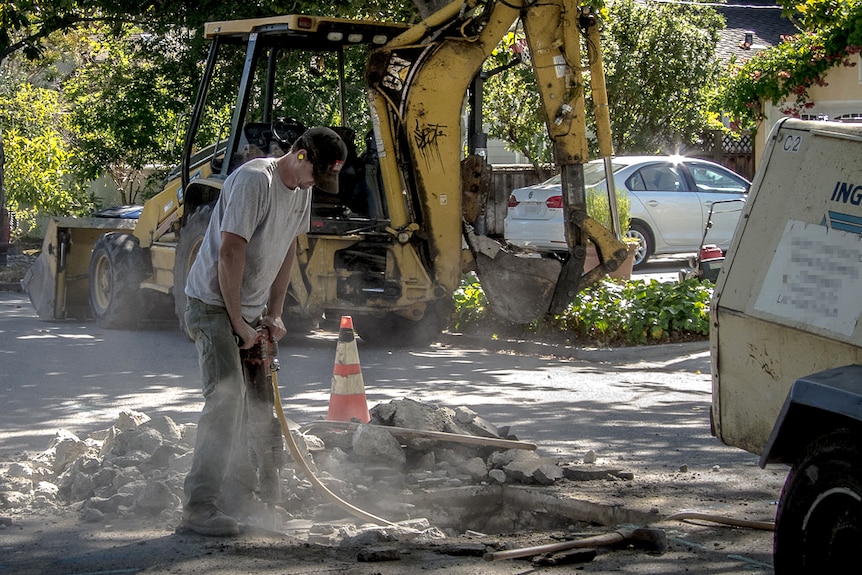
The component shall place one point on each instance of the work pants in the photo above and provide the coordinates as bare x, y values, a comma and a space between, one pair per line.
221, 465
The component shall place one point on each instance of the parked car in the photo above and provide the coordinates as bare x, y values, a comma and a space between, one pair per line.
670, 199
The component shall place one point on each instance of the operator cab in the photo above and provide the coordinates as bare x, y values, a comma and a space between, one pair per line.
358, 204
290, 71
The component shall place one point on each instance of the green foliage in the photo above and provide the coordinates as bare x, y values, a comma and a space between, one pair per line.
638, 312
133, 67
471, 305
660, 71
661, 68
38, 158
25, 24
599, 210
784, 73
814, 14
124, 112
612, 312
512, 107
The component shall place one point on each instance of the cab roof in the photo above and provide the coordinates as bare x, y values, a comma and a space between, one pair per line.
316, 32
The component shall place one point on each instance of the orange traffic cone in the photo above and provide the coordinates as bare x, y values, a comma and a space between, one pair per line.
347, 395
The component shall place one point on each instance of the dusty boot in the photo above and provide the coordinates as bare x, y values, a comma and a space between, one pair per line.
248, 508
209, 520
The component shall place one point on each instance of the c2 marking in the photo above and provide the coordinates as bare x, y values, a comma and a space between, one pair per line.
792, 143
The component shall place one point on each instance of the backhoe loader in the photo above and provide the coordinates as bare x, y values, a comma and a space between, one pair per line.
392, 246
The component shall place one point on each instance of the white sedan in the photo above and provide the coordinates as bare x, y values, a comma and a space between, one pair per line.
670, 204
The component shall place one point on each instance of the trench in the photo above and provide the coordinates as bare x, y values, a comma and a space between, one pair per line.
500, 509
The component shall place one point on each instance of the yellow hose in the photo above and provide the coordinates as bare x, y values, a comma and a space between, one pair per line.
300, 460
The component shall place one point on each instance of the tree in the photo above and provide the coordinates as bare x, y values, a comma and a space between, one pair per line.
512, 108
831, 35
26, 25
661, 69
23, 27
124, 110
660, 65
36, 155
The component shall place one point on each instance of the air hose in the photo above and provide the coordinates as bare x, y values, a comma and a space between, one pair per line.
365, 515
309, 473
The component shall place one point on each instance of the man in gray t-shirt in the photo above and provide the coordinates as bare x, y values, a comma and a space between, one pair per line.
239, 282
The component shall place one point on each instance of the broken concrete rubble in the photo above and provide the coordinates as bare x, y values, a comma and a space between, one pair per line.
137, 467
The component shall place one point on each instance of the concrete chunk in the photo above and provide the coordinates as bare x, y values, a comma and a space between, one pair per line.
374, 441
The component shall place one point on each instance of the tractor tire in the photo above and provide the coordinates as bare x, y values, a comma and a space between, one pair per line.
117, 267
641, 232
191, 236
818, 526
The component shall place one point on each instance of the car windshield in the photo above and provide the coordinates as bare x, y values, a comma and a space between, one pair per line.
594, 174
710, 179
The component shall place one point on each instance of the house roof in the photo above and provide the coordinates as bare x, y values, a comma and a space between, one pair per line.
762, 17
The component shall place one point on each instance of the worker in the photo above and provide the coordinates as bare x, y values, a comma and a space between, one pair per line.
238, 282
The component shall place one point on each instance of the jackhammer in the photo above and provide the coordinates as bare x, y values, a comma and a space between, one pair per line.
267, 430
263, 430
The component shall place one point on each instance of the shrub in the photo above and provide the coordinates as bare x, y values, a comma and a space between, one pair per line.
612, 312
471, 305
637, 312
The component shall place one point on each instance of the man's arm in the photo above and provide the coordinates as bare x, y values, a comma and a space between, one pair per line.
277, 295
231, 265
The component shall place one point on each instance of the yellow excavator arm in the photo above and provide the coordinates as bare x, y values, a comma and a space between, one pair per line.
418, 83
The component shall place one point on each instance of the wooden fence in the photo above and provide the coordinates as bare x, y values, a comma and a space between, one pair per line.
736, 153
504, 179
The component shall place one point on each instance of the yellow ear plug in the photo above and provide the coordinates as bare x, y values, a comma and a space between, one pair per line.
301, 156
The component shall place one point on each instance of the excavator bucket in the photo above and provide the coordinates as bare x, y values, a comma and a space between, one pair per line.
519, 288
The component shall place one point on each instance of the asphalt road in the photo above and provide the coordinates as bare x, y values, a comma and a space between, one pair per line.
641, 409
77, 376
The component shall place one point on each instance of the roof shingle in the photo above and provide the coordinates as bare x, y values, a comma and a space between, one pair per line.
762, 17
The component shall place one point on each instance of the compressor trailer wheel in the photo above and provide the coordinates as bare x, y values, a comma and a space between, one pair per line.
819, 520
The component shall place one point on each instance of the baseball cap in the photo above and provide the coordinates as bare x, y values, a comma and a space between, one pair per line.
326, 152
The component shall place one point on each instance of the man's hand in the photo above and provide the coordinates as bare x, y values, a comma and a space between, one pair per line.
275, 325
246, 333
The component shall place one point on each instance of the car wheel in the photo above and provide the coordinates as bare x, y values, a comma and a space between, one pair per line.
642, 234
818, 524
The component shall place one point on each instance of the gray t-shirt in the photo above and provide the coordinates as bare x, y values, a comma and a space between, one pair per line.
256, 205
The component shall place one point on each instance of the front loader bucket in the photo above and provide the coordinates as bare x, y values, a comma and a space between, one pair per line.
39, 283
58, 281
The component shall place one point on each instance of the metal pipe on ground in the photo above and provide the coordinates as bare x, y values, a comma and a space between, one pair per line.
649, 538
421, 433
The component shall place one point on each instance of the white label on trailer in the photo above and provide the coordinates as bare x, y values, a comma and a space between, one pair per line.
814, 278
